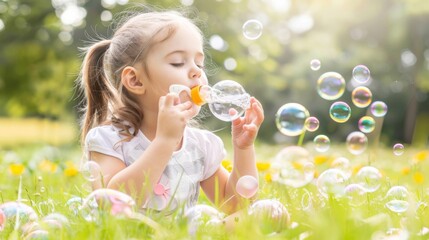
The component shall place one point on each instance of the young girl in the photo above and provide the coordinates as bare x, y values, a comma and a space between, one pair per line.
138, 132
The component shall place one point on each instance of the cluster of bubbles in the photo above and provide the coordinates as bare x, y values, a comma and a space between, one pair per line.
293, 119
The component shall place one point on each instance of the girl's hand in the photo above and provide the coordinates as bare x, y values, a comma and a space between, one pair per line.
172, 118
245, 129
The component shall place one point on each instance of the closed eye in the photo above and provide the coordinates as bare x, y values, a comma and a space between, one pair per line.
177, 64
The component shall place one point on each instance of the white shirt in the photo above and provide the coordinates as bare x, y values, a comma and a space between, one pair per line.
198, 159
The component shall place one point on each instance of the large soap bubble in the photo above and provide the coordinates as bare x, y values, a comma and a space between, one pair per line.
332, 182
272, 215
293, 166
290, 119
369, 178
397, 199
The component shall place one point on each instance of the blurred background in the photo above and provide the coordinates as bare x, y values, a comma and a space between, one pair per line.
40, 57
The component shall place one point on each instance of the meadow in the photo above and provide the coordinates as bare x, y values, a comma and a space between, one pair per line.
44, 196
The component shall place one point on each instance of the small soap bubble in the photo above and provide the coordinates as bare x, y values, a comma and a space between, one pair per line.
91, 171
356, 142
311, 124
342, 164
331, 85
315, 64
398, 149
366, 124
361, 73
290, 119
378, 109
252, 29
369, 178
322, 143
355, 194
361, 97
340, 112
397, 199
332, 182
293, 166
247, 186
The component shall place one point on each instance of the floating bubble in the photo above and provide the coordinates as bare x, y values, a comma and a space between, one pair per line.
356, 142
378, 109
290, 119
366, 124
361, 73
340, 112
355, 194
361, 97
247, 186
293, 166
331, 85
342, 164
332, 183
199, 215
315, 64
369, 178
252, 29
271, 215
91, 171
397, 199
398, 149
311, 124
322, 143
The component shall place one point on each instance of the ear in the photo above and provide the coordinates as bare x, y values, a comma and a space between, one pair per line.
130, 78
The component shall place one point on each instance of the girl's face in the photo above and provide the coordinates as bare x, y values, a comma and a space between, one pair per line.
177, 60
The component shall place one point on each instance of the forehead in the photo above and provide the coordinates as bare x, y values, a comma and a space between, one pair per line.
184, 37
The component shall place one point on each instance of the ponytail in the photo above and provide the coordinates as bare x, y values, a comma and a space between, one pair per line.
99, 92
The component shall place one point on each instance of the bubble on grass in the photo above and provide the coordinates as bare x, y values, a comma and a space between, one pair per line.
200, 215
356, 142
290, 119
397, 199
91, 171
342, 164
332, 182
13, 209
311, 124
315, 64
247, 186
271, 215
56, 221
111, 201
322, 143
378, 109
252, 29
74, 204
361, 73
366, 124
361, 97
37, 234
369, 178
356, 194
293, 166
398, 149
331, 85
340, 112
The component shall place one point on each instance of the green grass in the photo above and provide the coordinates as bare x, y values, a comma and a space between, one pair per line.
47, 186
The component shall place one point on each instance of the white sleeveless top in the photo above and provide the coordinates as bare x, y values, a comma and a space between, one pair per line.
198, 159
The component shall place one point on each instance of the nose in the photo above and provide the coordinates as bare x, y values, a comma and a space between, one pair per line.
195, 72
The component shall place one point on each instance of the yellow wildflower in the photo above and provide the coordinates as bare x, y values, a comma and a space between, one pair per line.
48, 166
320, 159
405, 170
262, 166
70, 170
316, 174
418, 177
16, 169
297, 165
268, 177
227, 165
421, 156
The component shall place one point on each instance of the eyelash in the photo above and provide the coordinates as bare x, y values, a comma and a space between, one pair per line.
181, 64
